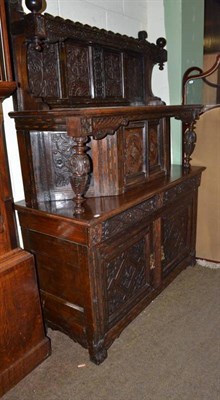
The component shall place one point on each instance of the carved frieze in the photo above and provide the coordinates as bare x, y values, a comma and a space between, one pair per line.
58, 29
122, 221
184, 187
102, 126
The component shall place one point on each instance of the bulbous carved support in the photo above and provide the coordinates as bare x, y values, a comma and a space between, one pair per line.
80, 165
189, 142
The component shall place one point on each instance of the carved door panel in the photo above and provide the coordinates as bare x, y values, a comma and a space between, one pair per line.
145, 151
126, 277
176, 235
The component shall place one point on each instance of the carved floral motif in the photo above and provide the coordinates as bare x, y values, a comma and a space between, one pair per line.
77, 70
113, 74
62, 151
98, 72
103, 126
95, 234
43, 71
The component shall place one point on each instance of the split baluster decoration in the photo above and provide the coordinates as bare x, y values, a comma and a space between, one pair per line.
80, 166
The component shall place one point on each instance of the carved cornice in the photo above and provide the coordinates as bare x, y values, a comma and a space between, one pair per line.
103, 121
56, 29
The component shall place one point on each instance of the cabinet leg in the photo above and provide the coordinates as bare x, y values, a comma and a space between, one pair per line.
98, 354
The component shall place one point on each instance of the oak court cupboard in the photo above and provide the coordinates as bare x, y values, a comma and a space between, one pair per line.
108, 219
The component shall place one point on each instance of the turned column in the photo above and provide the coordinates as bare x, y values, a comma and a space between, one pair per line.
189, 142
80, 166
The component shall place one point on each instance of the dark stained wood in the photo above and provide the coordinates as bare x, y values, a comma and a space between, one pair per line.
126, 146
66, 64
23, 344
88, 123
98, 271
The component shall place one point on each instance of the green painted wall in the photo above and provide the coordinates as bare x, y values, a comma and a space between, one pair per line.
184, 26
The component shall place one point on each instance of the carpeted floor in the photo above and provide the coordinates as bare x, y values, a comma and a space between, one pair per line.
170, 352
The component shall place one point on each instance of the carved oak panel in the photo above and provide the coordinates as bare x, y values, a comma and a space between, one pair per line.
176, 236
43, 71
127, 275
51, 159
153, 146
126, 219
98, 72
134, 151
77, 67
134, 77
113, 74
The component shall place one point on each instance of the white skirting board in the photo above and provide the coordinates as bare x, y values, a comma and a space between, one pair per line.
208, 264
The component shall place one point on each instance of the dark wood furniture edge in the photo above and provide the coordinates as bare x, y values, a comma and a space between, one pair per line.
81, 124
98, 269
23, 343
21, 351
126, 201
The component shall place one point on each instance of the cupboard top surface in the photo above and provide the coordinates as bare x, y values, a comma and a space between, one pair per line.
99, 209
